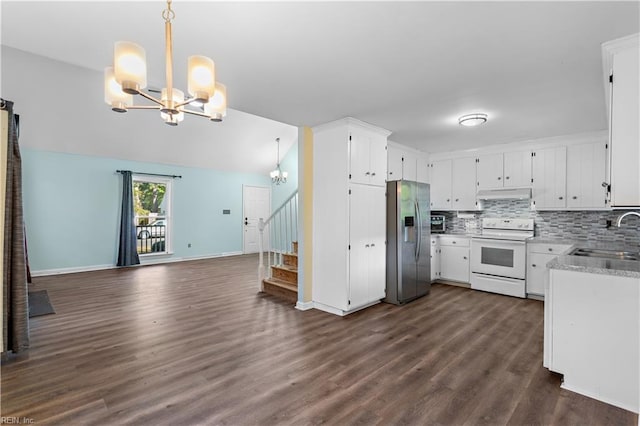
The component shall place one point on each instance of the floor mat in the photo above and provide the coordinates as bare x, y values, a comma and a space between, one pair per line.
39, 304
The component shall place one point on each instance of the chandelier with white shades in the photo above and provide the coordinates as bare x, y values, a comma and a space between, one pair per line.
128, 77
277, 175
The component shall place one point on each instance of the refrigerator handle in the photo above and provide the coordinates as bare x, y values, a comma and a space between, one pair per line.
419, 242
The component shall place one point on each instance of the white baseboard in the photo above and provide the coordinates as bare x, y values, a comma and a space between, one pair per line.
149, 261
304, 306
72, 270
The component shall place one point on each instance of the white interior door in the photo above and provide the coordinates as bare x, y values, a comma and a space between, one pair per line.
256, 204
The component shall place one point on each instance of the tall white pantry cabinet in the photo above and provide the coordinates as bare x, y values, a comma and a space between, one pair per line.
349, 222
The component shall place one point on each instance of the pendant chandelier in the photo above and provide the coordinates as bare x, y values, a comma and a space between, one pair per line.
277, 175
128, 77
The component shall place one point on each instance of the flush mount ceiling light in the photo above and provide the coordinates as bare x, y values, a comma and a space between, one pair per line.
471, 120
277, 175
128, 77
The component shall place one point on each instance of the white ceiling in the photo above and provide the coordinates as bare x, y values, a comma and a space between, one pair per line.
410, 67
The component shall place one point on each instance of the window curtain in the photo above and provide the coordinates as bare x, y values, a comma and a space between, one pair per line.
127, 250
15, 312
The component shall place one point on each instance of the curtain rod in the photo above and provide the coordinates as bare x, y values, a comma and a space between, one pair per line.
150, 174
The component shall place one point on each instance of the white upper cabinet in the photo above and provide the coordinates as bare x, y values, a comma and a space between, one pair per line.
549, 178
623, 57
405, 163
490, 171
367, 157
422, 169
517, 169
508, 170
441, 185
463, 186
585, 175
394, 163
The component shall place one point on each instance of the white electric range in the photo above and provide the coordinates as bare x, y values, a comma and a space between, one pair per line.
498, 256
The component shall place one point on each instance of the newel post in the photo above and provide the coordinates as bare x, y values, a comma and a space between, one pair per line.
260, 255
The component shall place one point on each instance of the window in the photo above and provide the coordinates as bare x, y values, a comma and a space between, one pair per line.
152, 208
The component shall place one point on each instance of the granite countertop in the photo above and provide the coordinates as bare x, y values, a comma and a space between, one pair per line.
593, 265
458, 234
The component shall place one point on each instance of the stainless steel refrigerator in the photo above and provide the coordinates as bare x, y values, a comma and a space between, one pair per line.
408, 241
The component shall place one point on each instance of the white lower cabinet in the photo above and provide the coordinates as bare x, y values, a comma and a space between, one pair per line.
538, 255
454, 258
435, 258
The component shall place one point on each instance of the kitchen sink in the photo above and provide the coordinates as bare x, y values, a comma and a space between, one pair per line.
606, 254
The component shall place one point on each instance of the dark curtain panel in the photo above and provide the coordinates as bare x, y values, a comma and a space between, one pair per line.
127, 250
15, 321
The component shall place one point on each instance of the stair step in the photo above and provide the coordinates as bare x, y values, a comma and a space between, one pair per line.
281, 289
290, 259
285, 273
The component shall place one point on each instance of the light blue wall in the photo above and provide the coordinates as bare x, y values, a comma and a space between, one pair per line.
289, 164
72, 205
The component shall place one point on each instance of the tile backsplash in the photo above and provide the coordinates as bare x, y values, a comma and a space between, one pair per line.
575, 225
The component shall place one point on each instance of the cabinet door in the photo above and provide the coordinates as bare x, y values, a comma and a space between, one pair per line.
549, 178
585, 174
359, 241
435, 259
490, 171
454, 263
359, 147
422, 169
537, 272
378, 160
441, 185
376, 205
394, 163
367, 235
625, 131
463, 186
409, 170
517, 169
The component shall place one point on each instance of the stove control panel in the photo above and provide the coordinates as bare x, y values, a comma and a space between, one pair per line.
516, 224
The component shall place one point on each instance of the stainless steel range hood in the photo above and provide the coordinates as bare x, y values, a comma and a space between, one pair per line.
504, 194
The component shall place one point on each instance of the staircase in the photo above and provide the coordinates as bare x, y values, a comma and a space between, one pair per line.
284, 277
278, 238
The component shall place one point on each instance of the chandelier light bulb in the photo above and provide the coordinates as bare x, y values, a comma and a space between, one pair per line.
130, 66
113, 94
202, 78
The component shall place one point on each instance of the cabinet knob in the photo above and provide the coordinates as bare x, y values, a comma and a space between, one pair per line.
464, 257
574, 197
367, 174
448, 199
366, 245
499, 178
390, 173
373, 245
453, 242
373, 174
506, 177
533, 264
550, 249
457, 199
560, 198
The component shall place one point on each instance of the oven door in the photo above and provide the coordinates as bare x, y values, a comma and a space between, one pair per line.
503, 258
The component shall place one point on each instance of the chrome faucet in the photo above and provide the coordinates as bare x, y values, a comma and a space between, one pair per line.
625, 215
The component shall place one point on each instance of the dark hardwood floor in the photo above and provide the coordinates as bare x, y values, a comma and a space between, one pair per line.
194, 343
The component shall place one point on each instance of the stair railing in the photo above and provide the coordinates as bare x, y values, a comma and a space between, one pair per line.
281, 230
